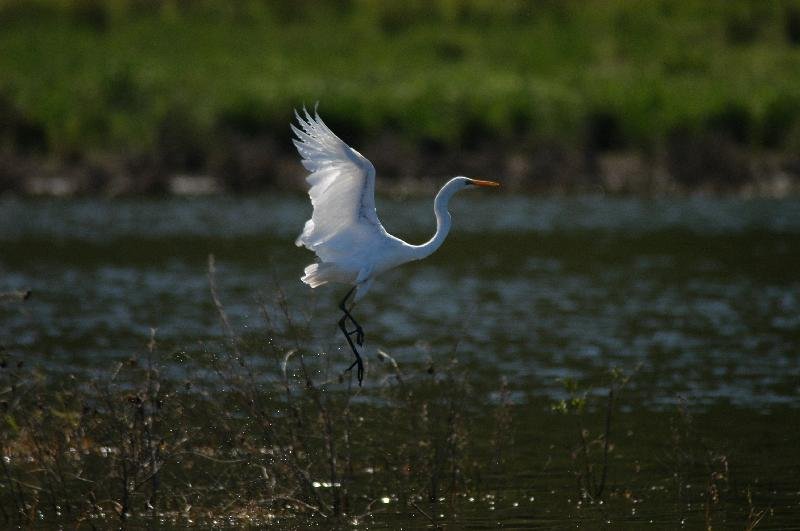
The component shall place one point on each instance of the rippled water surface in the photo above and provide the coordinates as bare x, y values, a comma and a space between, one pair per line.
702, 295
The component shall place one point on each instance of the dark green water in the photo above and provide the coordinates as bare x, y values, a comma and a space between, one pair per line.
701, 295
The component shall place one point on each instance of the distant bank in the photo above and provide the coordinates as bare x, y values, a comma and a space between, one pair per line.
711, 166
647, 97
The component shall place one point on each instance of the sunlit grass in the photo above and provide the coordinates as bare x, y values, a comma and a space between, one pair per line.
109, 77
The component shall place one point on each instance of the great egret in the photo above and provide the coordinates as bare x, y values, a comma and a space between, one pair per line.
352, 246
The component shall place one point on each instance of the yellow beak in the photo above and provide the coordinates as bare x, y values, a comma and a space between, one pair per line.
478, 182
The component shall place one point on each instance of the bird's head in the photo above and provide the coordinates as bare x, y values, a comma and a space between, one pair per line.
456, 184
466, 182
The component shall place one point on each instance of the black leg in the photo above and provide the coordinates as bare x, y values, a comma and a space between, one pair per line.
343, 306
358, 362
359, 335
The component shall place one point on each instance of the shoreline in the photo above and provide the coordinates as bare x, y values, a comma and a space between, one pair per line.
187, 98
707, 167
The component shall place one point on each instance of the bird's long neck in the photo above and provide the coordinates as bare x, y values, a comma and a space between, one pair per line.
443, 222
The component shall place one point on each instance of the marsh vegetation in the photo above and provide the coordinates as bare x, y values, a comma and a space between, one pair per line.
620, 361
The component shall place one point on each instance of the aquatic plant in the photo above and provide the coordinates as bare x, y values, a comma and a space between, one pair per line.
231, 440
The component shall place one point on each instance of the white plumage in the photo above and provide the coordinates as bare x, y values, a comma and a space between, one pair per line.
344, 231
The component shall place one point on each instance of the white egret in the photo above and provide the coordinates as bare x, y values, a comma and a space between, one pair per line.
352, 246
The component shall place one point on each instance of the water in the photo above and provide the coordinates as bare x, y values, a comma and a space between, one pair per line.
701, 294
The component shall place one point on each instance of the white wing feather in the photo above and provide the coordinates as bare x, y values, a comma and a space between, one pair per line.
342, 193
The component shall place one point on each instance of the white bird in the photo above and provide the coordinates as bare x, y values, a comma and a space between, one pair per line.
352, 246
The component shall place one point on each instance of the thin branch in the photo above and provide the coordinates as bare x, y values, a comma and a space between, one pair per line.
606, 436
397, 373
301, 502
223, 317
426, 515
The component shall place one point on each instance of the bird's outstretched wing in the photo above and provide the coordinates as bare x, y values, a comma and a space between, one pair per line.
342, 188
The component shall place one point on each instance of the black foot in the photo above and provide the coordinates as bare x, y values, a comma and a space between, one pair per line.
359, 370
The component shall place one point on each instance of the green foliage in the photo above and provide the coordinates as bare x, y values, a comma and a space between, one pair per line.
98, 75
576, 402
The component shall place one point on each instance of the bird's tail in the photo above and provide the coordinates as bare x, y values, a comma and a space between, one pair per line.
318, 274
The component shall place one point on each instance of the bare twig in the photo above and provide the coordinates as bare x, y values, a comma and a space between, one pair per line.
397, 372
426, 515
754, 516
322, 407
607, 434
223, 317
301, 503
284, 363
